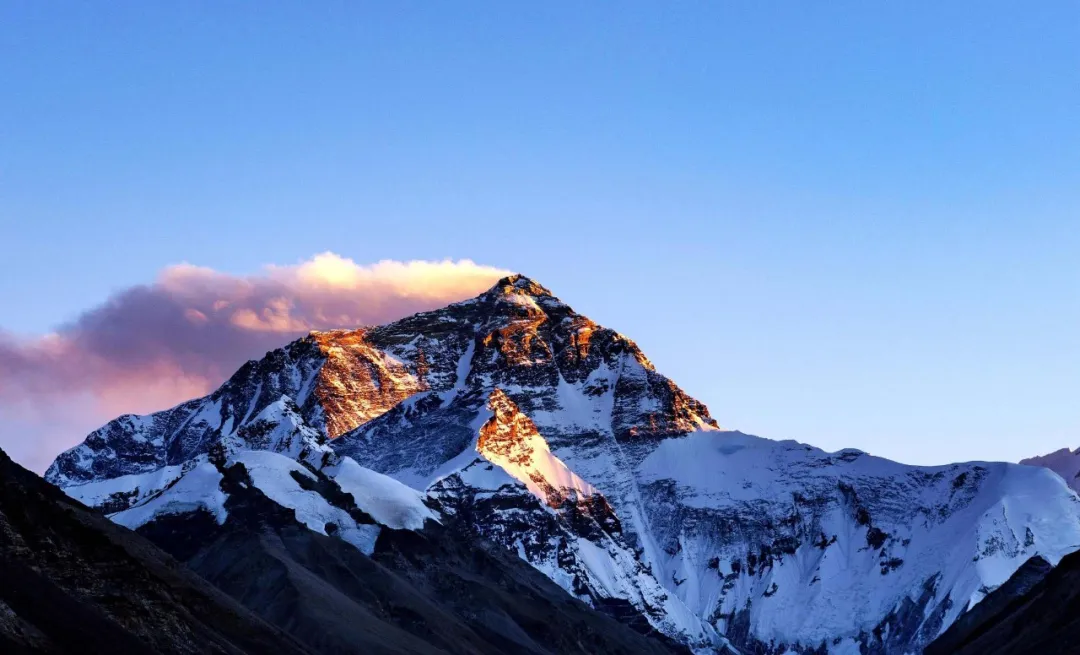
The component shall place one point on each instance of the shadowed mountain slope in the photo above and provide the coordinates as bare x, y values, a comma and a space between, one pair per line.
73, 582
1037, 612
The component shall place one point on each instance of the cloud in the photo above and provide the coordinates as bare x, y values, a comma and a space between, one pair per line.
152, 346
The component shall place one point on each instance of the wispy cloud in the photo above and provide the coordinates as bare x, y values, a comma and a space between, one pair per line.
152, 346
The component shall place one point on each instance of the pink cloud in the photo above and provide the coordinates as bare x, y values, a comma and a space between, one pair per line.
152, 346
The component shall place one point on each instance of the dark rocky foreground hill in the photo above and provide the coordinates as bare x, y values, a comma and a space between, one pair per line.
1037, 612
71, 581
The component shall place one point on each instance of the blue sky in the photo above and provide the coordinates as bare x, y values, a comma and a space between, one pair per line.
847, 223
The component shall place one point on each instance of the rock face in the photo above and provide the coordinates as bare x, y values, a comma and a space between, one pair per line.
528, 425
72, 582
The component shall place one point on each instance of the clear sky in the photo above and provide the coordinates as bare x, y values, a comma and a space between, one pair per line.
846, 223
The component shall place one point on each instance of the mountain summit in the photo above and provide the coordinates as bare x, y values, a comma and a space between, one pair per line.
521, 422
329, 383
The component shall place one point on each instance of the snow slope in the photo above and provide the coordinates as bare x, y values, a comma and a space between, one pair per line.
136, 499
388, 501
197, 488
1064, 462
846, 538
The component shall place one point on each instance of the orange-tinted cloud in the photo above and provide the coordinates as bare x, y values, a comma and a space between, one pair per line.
153, 346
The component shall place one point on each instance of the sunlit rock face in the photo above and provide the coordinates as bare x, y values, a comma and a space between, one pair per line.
510, 440
357, 381
557, 438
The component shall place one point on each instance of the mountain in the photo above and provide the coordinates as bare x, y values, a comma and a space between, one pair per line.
521, 423
1037, 612
73, 582
1064, 462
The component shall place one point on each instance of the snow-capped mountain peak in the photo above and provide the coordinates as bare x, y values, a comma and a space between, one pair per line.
556, 437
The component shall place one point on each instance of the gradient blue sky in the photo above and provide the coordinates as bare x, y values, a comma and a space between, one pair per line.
847, 223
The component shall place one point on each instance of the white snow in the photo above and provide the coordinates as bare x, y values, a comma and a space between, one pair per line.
483, 475
599, 564
1064, 462
388, 501
284, 431
464, 365
141, 485
521, 300
578, 410
272, 474
199, 488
